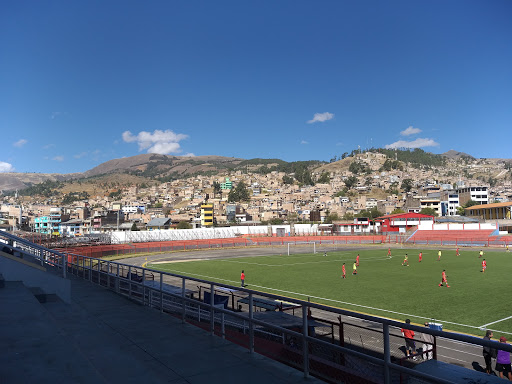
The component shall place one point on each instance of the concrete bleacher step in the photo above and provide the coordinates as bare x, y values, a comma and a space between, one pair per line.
33, 347
42, 296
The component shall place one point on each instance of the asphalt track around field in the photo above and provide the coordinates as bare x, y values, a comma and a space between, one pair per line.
449, 351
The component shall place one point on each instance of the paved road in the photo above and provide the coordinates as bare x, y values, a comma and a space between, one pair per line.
449, 351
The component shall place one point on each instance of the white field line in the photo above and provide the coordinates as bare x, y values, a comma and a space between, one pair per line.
305, 262
338, 301
452, 358
497, 321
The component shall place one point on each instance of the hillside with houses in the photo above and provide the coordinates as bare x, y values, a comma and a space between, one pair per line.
361, 184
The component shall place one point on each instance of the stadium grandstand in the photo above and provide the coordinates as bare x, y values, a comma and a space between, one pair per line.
84, 330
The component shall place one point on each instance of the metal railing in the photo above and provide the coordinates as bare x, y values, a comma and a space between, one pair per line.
286, 337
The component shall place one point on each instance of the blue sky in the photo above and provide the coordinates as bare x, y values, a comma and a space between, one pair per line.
86, 82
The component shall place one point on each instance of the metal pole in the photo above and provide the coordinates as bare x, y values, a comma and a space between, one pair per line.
130, 281
212, 314
251, 324
143, 286
161, 293
305, 346
64, 265
117, 279
387, 353
183, 308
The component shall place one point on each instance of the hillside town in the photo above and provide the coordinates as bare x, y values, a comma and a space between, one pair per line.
342, 195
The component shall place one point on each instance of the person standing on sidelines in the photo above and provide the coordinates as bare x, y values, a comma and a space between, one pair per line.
480, 254
428, 345
488, 352
343, 271
242, 278
357, 260
444, 279
406, 260
439, 255
503, 365
410, 346
484, 265
420, 257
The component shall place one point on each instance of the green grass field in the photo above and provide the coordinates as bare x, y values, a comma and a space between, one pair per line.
382, 287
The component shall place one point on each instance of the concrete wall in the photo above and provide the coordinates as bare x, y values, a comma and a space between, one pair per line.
34, 275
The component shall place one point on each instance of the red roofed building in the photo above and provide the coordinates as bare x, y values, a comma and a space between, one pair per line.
402, 222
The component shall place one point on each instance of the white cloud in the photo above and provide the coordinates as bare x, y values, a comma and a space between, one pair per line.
80, 155
161, 142
304, 142
48, 146
58, 158
6, 167
20, 143
56, 114
418, 143
321, 117
339, 144
189, 155
410, 131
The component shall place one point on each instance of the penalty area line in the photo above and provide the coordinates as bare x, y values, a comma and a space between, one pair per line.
494, 322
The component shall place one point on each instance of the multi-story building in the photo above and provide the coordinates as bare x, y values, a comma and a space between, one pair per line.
480, 194
207, 215
227, 184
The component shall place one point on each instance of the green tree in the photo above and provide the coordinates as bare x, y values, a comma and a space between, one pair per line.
407, 185
350, 181
287, 179
429, 211
134, 227
331, 217
397, 210
324, 178
239, 193
216, 188
183, 225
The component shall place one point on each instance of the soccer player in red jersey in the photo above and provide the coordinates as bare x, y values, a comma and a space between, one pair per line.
420, 257
444, 279
344, 271
457, 252
242, 278
389, 251
357, 260
484, 265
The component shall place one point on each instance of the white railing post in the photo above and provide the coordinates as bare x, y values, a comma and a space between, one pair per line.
305, 345
251, 324
64, 265
183, 303
161, 293
212, 312
108, 274
143, 286
117, 279
130, 281
387, 353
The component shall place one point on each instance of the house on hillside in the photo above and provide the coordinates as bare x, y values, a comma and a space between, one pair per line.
159, 223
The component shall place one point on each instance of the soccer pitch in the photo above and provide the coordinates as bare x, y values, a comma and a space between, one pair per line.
383, 287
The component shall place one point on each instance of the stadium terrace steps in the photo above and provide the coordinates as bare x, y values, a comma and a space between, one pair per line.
102, 337
451, 235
